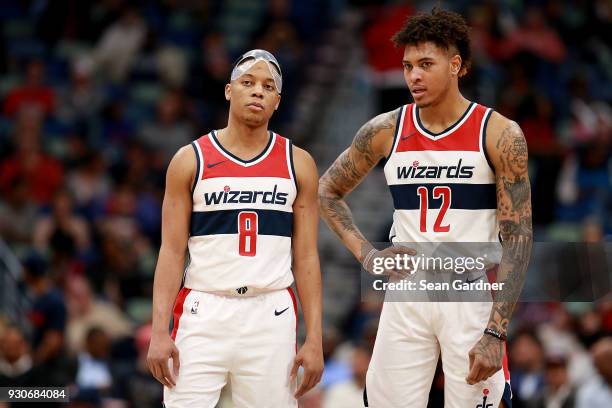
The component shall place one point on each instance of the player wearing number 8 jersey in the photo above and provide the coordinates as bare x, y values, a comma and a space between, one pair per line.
457, 172
241, 201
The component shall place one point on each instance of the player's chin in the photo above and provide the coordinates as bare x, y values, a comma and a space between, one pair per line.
255, 118
422, 102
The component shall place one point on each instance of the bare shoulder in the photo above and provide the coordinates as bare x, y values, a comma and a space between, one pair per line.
182, 166
506, 144
374, 138
305, 166
499, 126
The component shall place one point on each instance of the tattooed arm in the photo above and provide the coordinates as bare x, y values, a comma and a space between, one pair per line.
371, 143
507, 149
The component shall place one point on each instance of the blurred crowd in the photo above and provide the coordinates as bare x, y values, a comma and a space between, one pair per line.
97, 96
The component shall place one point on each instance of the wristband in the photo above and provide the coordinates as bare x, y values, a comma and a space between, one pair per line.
495, 333
368, 258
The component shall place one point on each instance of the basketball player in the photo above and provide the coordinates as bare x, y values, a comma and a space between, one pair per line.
243, 202
444, 132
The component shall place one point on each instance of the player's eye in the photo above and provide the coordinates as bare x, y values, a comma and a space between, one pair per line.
426, 65
268, 87
407, 67
246, 82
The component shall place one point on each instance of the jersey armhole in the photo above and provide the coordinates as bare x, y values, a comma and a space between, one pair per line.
396, 134
199, 164
290, 163
483, 137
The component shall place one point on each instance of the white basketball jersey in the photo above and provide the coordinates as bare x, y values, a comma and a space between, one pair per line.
242, 219
443, 185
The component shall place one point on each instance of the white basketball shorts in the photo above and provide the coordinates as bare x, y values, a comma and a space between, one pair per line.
248, 341
411, 336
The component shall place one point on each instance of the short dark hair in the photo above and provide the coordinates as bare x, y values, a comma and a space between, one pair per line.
444, 28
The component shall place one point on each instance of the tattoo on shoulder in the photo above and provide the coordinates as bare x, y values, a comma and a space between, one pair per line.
512, 149
363, 138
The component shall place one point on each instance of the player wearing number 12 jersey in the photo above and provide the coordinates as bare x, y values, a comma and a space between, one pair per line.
242, 202
457, 172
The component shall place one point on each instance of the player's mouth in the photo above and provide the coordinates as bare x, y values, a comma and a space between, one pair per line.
418, 91
255, 106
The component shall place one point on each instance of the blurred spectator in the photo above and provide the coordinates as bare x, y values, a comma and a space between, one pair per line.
119, 45
139, 387
589, 328
337, 369
349, 394
82, 100
559, 337
48, 313
63, 230
526, 365
172, 65
545, 154
590, 119
383, 58
17, 216
170, 130
33, 95
86, 312
128, 261
42, 174
598, 391
535, 37
94, 374
486, 31
558, 391
15, 359
117, 130
89, 183
48, 319
216, 65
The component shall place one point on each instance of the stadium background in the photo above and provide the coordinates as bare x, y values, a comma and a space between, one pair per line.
97, 96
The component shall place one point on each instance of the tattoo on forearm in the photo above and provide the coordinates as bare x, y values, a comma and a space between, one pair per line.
514, 214
339, 217
491, 349
518, 190
347, 172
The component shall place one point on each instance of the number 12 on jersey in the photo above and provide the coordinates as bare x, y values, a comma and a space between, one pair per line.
443, 192
247, 233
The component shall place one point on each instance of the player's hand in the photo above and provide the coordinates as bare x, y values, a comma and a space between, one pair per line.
310, 356
162, 348
374, 263
485, 359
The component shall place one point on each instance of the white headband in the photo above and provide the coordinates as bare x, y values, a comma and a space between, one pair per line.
247, 60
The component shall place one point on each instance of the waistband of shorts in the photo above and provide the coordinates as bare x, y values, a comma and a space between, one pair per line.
242, 292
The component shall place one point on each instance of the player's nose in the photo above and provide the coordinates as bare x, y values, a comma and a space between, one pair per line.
258, 90
415, 76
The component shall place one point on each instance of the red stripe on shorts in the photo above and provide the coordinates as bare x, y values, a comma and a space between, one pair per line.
296, 315
505, 364
178, 309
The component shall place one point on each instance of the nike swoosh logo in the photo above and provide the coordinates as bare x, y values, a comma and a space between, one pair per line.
408, 136
473, 280
281, 312
209, 165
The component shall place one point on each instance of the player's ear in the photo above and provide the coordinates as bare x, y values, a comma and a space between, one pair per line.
277, 102
456, 64
228, 91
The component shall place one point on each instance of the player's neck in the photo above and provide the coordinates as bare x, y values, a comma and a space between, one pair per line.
242, 139
443, 114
